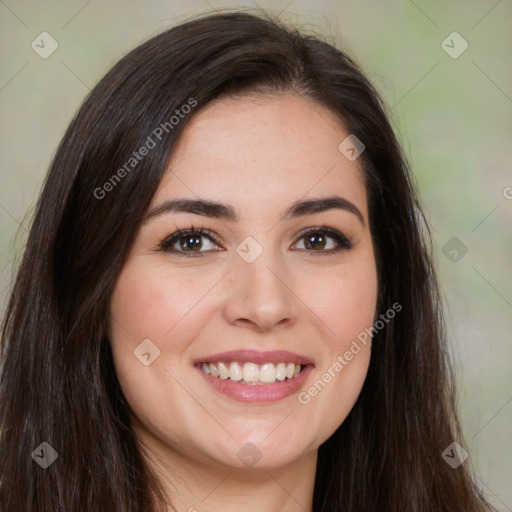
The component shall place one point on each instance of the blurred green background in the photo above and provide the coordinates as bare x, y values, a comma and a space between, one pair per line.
451, 110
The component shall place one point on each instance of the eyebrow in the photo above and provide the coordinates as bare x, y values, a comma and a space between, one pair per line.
216, 210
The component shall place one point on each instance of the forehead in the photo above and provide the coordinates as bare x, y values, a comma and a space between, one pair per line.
260, 152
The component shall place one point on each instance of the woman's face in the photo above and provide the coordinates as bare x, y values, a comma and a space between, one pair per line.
273, 273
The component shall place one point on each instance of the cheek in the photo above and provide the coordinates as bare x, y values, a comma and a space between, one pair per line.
150, 301
346, 306
143, 307
345, 302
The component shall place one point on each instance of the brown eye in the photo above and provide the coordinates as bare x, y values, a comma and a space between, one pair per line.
323, 241
315, 241
191, 242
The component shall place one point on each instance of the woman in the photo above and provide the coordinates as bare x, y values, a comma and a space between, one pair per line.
227, 300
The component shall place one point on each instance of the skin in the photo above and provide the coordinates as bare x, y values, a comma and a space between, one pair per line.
259, 154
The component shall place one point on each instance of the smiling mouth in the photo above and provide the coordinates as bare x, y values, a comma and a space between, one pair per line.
251, 373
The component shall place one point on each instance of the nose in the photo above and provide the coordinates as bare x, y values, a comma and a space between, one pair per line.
260, 295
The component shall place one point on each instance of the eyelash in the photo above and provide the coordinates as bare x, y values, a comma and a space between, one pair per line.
166, 244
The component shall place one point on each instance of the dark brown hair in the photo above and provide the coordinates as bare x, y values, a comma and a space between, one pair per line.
58, 382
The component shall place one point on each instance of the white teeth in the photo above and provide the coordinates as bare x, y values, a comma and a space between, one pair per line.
281, 371
214, 371
268, 372
235, 372
223, 371
251, 373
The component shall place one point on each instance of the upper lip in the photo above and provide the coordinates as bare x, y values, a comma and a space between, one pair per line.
256, 356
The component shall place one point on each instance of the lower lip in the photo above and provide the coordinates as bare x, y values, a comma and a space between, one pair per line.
262, 393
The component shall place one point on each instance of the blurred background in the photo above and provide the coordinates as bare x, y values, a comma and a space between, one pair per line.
445, 70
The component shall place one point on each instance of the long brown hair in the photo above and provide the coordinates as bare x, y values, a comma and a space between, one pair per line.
58, 383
